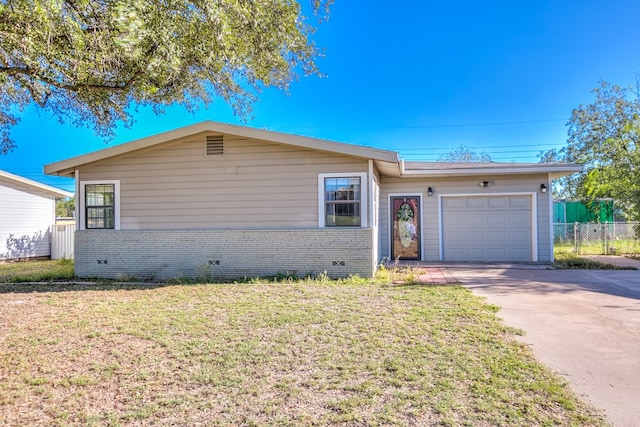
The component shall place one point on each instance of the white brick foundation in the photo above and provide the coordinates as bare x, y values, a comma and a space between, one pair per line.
225, 254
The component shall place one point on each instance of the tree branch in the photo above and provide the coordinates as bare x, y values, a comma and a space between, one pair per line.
33, 73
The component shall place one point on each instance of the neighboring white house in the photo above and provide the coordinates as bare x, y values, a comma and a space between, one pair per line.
27, 213
237, 201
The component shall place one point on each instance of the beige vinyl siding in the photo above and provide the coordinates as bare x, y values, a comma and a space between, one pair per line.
255, 184
461, 185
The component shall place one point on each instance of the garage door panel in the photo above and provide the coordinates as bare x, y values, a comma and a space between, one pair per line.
474, 253
473, 235
453, 203
458, 235
457, 253
487, 228
497, 202
497, 253
474, 221
456, 219
498, 220
520, 202
519, 236
496, 236
475, 203
520, 255
520, 219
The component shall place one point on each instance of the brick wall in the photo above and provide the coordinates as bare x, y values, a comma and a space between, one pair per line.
163, 254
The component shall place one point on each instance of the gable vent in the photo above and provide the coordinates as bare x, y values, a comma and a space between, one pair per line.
215, 145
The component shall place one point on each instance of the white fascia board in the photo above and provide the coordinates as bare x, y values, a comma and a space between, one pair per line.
35, 185
554, 172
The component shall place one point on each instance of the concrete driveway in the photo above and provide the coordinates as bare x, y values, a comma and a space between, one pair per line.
583, 324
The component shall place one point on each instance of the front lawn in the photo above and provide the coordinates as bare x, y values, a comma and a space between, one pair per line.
36, 270
321, 352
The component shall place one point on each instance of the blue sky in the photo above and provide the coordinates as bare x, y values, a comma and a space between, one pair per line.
419, 77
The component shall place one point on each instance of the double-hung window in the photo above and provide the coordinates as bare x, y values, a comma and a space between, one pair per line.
342, 199
100, 205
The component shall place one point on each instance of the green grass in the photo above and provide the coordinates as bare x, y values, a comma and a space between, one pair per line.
36, 271
565, 259
617, 247
302, 352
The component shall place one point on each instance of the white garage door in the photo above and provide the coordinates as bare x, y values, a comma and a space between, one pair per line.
487, 228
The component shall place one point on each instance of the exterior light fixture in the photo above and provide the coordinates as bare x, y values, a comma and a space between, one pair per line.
485, 184
543, 188
429, 191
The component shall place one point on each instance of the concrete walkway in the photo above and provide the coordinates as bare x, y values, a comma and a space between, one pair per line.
583, 324
436, 276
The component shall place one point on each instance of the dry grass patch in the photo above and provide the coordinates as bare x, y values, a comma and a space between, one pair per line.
569, 260
298, 353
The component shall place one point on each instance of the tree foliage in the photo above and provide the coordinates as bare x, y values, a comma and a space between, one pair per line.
464, 153
90, 61
65, 207
603, 137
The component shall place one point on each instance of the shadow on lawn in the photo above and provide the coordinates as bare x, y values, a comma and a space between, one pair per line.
26, 288
102, 285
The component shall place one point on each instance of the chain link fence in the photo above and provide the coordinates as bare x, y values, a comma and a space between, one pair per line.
598, 238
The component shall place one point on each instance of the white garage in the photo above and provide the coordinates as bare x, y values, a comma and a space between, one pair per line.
495, 227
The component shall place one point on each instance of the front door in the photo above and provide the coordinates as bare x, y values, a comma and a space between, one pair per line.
405, 227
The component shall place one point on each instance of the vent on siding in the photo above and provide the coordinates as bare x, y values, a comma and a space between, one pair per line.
215, 145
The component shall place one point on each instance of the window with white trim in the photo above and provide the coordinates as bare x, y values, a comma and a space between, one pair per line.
342, 200
100, 205
100, 202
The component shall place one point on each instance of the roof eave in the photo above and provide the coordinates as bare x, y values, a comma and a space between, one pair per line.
553, 172
34, 184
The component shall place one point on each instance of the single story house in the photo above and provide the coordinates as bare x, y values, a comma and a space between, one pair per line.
27, 214
235, 201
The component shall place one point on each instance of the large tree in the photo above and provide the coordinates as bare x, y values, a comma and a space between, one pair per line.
90, 61
604, 137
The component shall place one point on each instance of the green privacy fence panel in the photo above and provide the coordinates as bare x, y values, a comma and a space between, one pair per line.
570, 212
